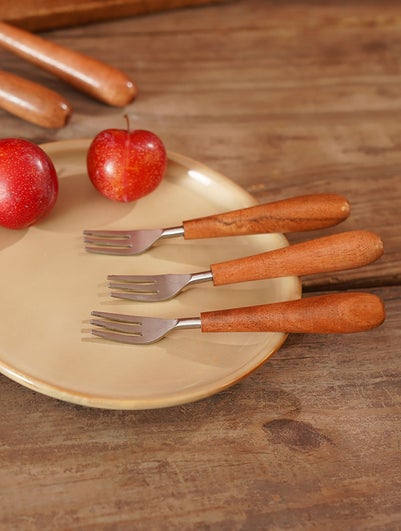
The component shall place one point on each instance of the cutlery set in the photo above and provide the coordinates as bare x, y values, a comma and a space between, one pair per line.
335, 313
42, 106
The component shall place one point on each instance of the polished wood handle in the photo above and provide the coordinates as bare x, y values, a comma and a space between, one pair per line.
323, 314
97, 79
33, 102
337, 252
296, 214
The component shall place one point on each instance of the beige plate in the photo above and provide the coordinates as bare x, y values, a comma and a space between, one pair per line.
49, 285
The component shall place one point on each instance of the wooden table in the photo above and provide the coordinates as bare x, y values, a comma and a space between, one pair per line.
284, 98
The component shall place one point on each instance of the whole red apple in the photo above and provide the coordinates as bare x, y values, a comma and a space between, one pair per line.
28, 183
125, 165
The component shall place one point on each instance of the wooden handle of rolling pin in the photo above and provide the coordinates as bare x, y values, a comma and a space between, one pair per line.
33, 102
97, 79
296, 214
323, 314
337, 252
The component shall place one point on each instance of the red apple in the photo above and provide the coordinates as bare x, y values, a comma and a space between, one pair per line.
28, 183
125, 165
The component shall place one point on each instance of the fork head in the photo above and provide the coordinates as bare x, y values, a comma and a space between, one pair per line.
131, 329
148, 288
120, 242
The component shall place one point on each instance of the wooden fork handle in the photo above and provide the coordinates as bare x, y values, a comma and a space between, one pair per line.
323, 314
97, 79
296, 214
33, 102
347, 250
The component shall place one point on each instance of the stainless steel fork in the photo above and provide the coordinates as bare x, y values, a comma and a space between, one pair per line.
324, 314
296, 214
347, 250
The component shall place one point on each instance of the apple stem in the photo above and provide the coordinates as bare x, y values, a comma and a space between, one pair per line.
126, 116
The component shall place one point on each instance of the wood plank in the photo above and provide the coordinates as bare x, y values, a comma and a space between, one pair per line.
53, 14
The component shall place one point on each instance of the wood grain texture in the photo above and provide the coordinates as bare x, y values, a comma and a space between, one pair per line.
337, 313
336, 252
50, 14
294, 214
285, 98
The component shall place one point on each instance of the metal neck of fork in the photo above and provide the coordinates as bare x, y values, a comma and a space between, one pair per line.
172, 231
203, 276
188, 322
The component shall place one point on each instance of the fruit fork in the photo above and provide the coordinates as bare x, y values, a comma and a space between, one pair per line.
347, 250
296, 214
323, 314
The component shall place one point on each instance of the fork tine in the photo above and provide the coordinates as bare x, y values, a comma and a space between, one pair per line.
131, 329
137, 297
108, 233
141, 287
120, 317
120, 251
134, 279
133, 286
150, 288
114, 242
126, 328
106, 243
118, 327
122, 242
120, 338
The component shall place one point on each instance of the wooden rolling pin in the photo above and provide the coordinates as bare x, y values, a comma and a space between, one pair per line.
101, 81
33, 102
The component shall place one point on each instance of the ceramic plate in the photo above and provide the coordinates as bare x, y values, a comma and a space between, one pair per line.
49, 285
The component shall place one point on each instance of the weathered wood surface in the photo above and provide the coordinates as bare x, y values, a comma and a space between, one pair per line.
284, 98
52, 14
